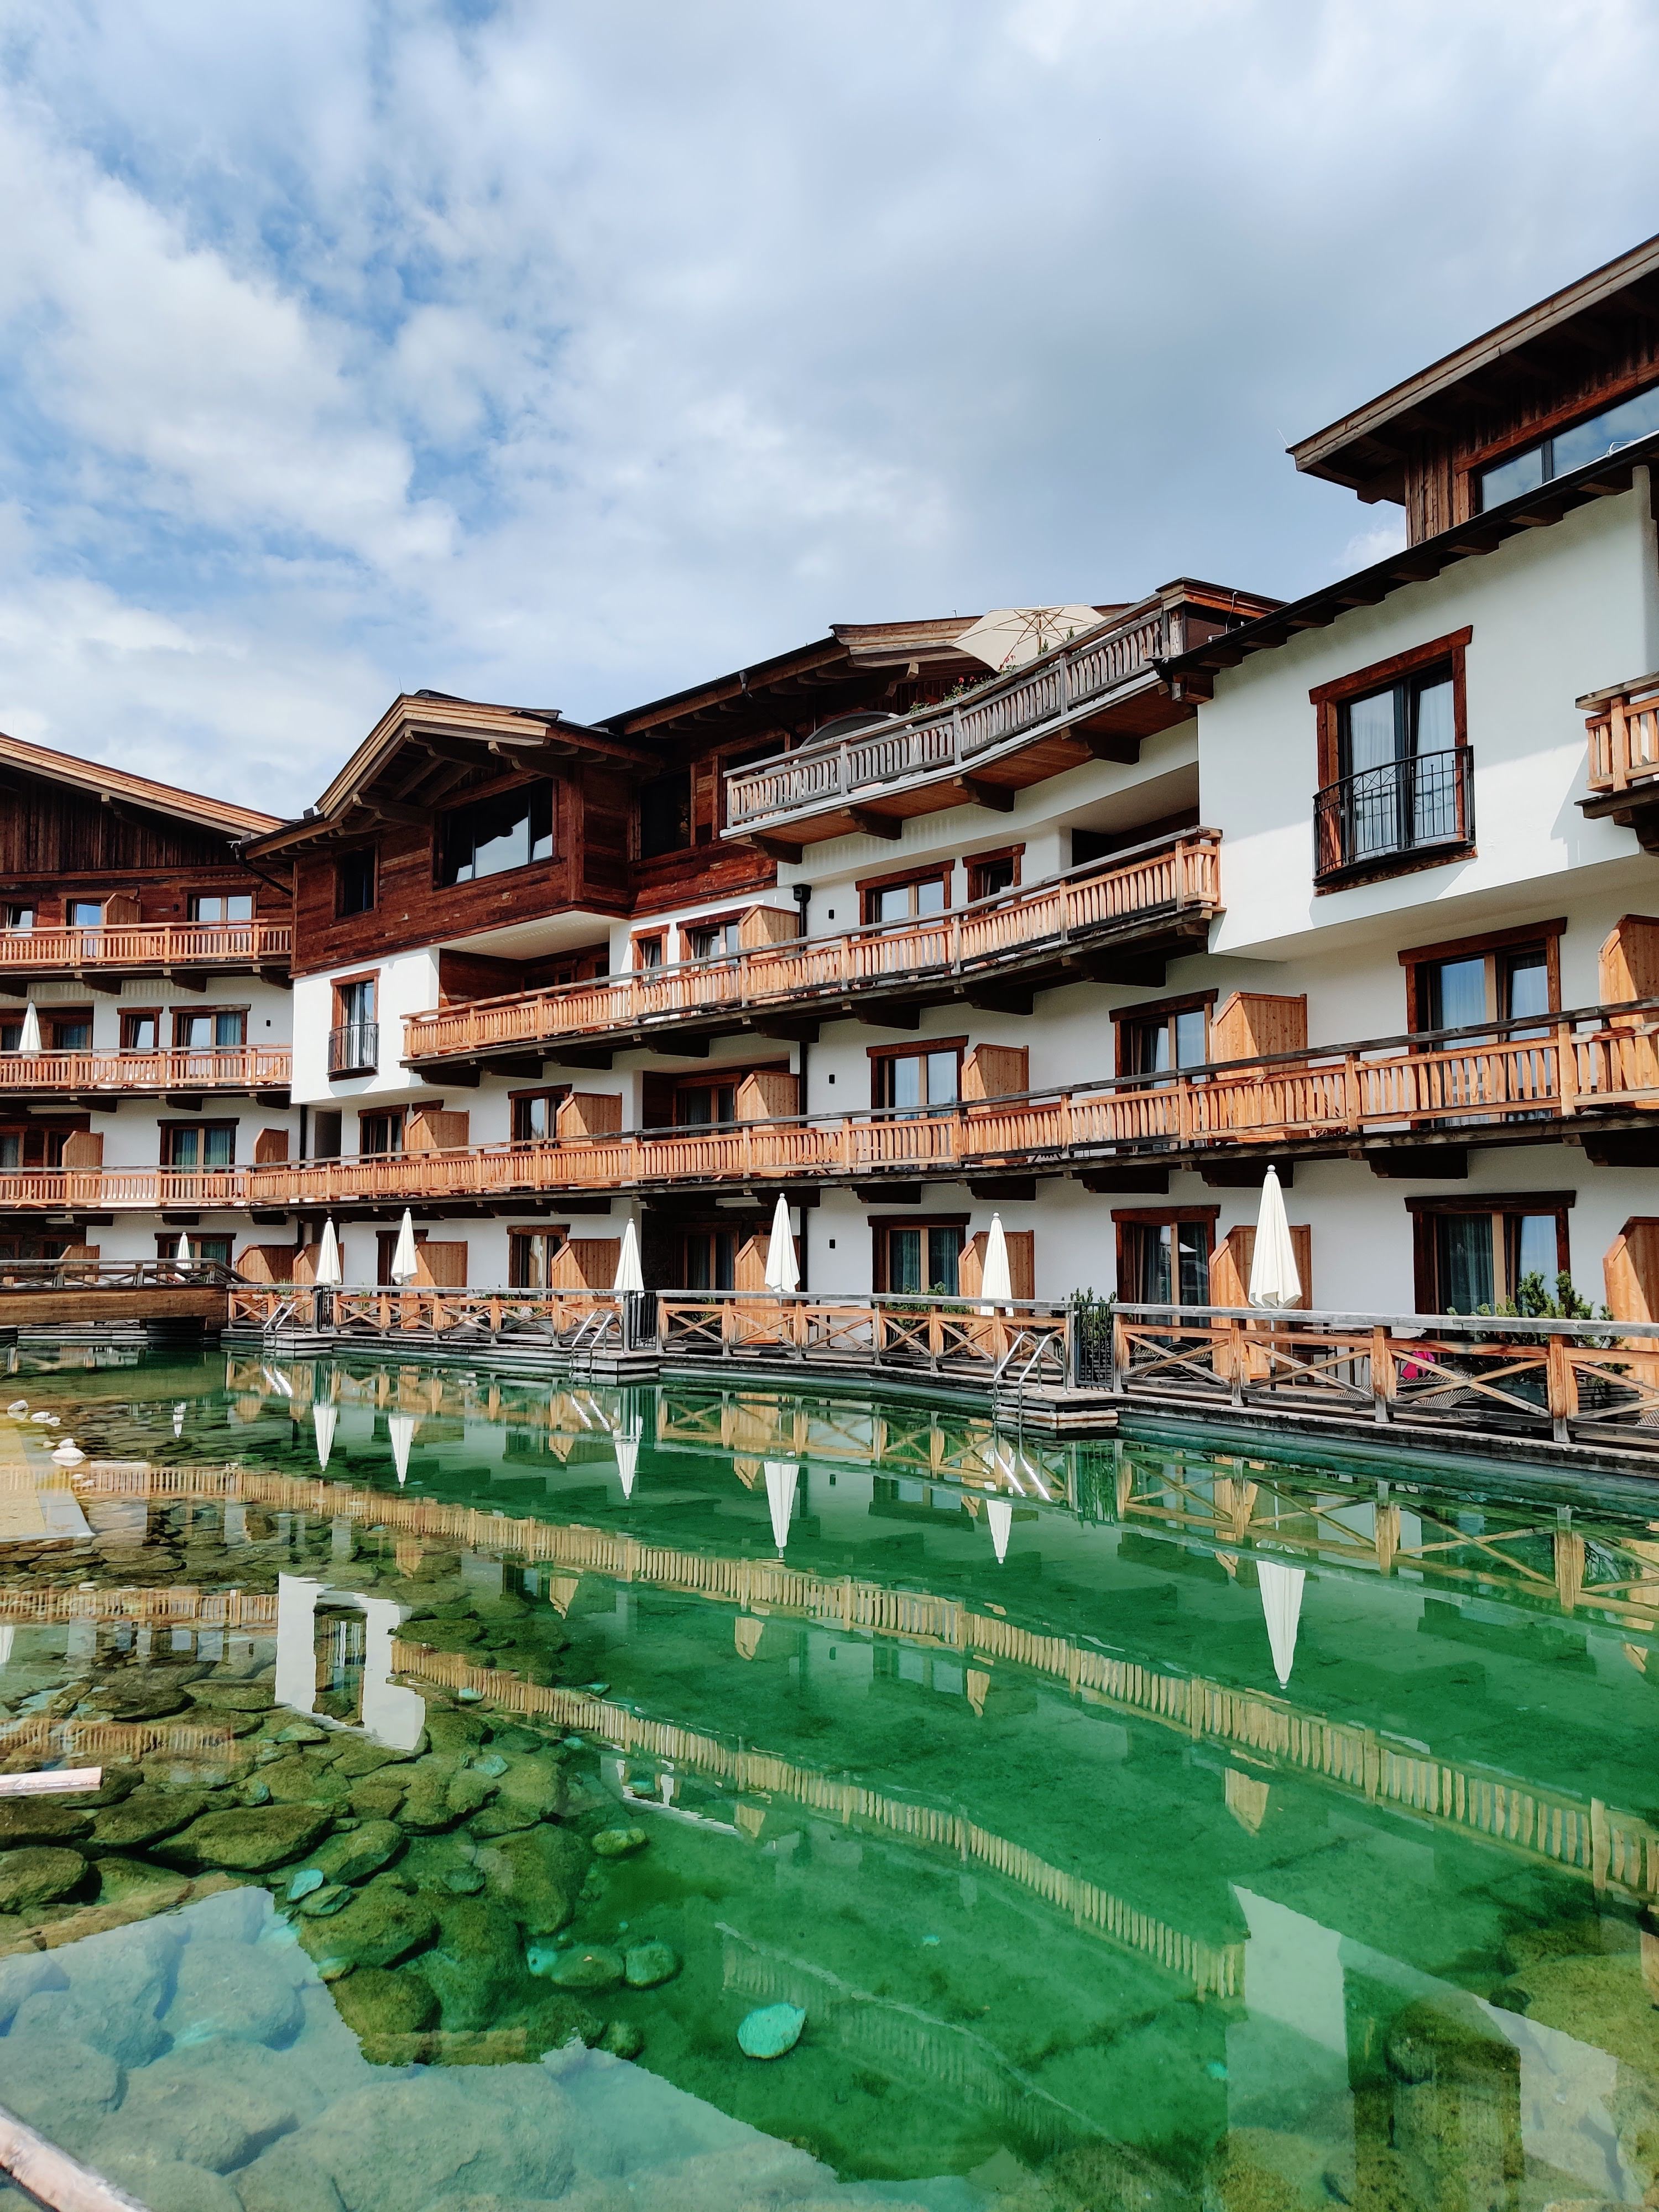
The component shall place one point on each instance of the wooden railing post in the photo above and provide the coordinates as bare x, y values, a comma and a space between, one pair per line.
1384, 1375
1561, 1381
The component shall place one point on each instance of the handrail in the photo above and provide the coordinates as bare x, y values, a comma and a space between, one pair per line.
147, 945
1405, 805
238, 1068
1529, 1068
938, 740
1623, 735
1170, 873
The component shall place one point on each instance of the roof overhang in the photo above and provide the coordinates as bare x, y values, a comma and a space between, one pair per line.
115, 787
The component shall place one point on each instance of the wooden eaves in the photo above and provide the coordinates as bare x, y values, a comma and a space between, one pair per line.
1190, 674
115, 787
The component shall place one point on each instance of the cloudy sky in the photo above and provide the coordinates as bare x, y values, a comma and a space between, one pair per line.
564, 355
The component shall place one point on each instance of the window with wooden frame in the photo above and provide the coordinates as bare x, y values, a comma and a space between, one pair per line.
353, 1043
916, 1255
906, 894
1574, 446
916, 1078
1473, 1252
534, 1113
326, 1134
221, 906
20, 920
663, 815
1164, 1255
65, 1029
1507, 975
530, 1256
491, 836
355, 882
209, 1028
1396, 783
1163, 1036
208, 1247
708, 1257
140, 1028
705, 1102
712, 937
199, 1144
35, 1146
651, 950
380, 1133
989, 873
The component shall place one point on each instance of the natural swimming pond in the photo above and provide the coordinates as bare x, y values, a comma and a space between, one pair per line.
1133, 1825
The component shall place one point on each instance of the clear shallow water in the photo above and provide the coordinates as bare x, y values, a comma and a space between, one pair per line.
1134, 1826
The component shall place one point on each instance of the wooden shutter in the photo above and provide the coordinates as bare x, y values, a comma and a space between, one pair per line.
269, 1263
767, 1094
588, 1114
82, 1148
1022, 1264
441, 1265
1230, 1266
749, 1273
1630, 960
1631, 1271
768, 924
996, 1071
120, 910
269, 1147
1252, 1023
79, 1252
585, 1263
430, 1130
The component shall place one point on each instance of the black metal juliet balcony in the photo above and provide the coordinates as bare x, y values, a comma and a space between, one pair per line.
1422, 804
354, 1048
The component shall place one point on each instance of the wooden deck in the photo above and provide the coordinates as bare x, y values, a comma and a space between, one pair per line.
146, 948
263, 1070
1150, 901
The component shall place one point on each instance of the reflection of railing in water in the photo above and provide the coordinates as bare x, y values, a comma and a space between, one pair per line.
1552, 1824
1213, 1970
124, 1741
178, 1607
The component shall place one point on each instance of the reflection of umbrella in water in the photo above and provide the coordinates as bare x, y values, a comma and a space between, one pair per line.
401, 1428
781, 1476
1009, 636
323, 1415
179, 1419
29, 1037
783, 1274
630, 1275
404, 1264
1281, 1606
1000, 1516
627, 1463
1275, 1281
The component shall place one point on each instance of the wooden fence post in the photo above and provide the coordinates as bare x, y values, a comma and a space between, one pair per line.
1561, 1379
1384, 1375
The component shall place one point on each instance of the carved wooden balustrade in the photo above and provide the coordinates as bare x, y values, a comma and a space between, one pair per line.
1623, 731
1166, 878
115, 946
244, 1067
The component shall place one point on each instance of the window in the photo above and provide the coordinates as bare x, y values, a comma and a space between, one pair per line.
534, 1116
1475, 1251
86, 914
210, 1248
530, 1256
1395, 772
11, 1035
354, 1044
378, 1134
665, 814
354, 882
222, 906
649, 951
1560, 454
907, 901
325, 1134
1163, 1259
712, 940
916, 1082
991, 873
34, 1147
708, 1258
1160, 1038
218, 1030
199, 1144
1510, 975
20, 920
67, 1031
919, 1259
705, 1105
493, 835
141, 1030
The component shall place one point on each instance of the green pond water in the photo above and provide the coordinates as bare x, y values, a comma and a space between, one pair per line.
1138, 1824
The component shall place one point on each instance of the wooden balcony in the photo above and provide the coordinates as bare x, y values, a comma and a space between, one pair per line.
1095, 698
186, 954
1622, 726
1144, 905
1592, 1074
262, 1071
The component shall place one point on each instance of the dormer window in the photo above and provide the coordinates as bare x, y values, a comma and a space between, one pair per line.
1592, 440
495, 834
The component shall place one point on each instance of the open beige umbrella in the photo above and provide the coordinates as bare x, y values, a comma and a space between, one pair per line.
325, 1414
182, 1255
1009, 636
1281, 1607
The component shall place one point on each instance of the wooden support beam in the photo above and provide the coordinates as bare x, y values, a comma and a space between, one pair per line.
1127, 969
1010, 1188
888, 1194
1245, 1175
1412, 1163
1135, 1182
679, 1048
777, 848
1010, 999
1122, 745
880, 1016
876, 825
182, 978
980, 794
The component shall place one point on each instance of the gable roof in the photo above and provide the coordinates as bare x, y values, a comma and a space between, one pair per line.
101, 782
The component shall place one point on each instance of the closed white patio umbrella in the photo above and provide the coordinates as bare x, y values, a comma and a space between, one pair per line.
29, 1037
401, 1428
1275, 1281
999, 1518
1281, 1607
629, 1276
328, 1256
405, 1265
782, 1275
182, 1255
996, 1288
325, 1414
781, 1476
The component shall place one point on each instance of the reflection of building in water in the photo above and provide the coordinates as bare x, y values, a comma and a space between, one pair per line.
334, 1660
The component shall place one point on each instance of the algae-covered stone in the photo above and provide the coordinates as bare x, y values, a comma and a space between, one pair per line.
41, 1820
586, 1968
1239, 2179
36, 1876
249, 1839
770, 2031
427, 1807
375, 2001
449, 1733
539, 1875
379, 1926
353, 1856
499, 1819
618, 1843
132, 1883
243, 1991
141, 1697
332, 1897
1602, 2001
450, 1636
537, 1785
360, 1758
145, 1817
476, 1966
379, 1796
624, 2039
648, 1965
58, 2084
233, 1697
298, 1782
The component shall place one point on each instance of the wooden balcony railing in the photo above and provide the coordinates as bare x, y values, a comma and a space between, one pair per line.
937, 742
1593, 1061
1622, 729
135, 945
246, 1067
1168, 876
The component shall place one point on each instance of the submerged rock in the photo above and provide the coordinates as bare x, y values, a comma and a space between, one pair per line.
145, 1816
648, 1965
215, 2105
622, 2039
377, 2001
353, 1856
41, 1820
37, 1875
332, 1897
378, 1926
618, 1843
538, 1873
60, 2085
587, 1968
249, 1839
476, 1966
770, 2031
242, 1991
398, 2145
